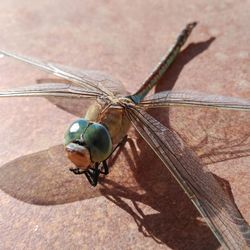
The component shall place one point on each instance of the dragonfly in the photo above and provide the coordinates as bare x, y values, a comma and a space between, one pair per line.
90, 141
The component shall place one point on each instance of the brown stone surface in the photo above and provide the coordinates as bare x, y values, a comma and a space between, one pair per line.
139, 205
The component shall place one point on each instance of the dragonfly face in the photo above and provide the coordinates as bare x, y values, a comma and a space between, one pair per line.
87, 142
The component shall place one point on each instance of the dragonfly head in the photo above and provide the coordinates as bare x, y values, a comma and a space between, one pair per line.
87, 142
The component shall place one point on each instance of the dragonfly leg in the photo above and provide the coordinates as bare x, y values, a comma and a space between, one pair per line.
92, 174
121, 143
104, 168
77, 170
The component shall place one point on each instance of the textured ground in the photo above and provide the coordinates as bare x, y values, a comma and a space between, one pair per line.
139, 205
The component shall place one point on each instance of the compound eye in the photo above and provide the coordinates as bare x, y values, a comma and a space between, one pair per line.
75, 131
99, 142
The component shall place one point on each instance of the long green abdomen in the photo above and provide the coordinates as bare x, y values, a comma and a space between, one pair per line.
164, 65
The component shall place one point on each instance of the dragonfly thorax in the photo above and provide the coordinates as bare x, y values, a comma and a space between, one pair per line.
125, 101
87, 142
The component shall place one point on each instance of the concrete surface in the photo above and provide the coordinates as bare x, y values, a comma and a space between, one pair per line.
139, 205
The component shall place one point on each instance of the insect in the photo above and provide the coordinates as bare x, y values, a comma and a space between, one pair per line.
91, 140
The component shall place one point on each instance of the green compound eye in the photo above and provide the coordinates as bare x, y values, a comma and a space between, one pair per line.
75, 131
98, 140
94, 135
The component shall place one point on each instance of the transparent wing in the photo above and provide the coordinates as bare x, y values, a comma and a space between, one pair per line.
52, 89
193, 98
73, 105
77, 77
101, 79
220, 213
216, 135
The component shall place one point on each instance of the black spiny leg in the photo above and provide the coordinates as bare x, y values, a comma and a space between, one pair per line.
121, 143
92, 174
77, 170
104, 168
